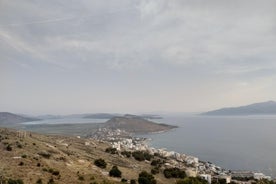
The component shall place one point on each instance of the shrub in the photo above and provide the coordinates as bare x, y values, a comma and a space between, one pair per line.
51, 181
132, 181
115, 172
157, 162
146, 178
111, 150
126, 153
21, 163
19, 145
81, 178
39, 181
123, 180
12, 181
45, 169
192, 180
100, 163
38, 164
9, 147
155, 170
24, 156
141, 155
55, 172
174, 173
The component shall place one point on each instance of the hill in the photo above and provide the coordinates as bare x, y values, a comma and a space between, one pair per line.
109, 116
10, 118
37, 158
263, 108
101, 116
136, 124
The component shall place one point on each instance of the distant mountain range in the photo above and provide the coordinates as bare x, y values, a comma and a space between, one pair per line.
10, 118
136, 124
263, 108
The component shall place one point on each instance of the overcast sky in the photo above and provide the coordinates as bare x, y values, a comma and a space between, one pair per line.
132, 56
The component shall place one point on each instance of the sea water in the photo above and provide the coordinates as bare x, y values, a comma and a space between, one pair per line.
235, 143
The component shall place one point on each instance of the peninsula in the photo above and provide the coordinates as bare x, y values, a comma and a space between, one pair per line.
263, 108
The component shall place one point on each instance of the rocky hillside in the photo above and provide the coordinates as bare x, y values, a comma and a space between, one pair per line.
35, 158
135, 124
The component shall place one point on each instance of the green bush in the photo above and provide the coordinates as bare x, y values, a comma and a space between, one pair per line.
111, 150
174, 173
146, 178
115, 172
81, 178
12, 181
126, 153
100, 163
142, 155
123, 180
51, 181
39, 181
55, 172
156, 162
154, 170
132, 181
9, 147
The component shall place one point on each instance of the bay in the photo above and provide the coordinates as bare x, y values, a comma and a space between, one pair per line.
235, 143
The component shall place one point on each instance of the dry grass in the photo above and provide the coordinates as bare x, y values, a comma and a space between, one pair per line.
68, 155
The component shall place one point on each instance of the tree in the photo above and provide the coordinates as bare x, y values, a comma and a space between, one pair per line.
146, 178
100, 163
174, 173
115, 172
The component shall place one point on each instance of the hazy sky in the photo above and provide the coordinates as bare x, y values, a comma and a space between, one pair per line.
74, 56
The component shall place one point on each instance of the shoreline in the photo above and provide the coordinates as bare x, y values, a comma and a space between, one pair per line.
187, 162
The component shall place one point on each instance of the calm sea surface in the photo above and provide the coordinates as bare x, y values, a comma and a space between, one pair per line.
237, 143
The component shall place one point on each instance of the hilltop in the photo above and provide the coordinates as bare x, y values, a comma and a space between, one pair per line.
10, 118
109, 116
136, 124
263, 108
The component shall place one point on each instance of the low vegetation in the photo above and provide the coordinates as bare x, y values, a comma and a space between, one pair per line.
115, 172
174, 173
100, 163
142, 155
111, 150
146, 178
192, 180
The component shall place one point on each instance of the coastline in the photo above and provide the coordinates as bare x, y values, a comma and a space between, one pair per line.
193, 165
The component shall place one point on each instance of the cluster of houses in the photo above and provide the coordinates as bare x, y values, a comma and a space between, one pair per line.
121, 140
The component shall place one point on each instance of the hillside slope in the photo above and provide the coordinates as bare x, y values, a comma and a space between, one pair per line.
135, 124
65, 160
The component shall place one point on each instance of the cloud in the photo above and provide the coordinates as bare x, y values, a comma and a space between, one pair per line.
181, 45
